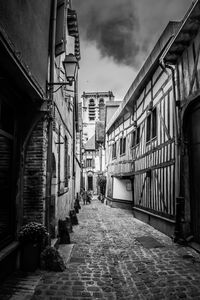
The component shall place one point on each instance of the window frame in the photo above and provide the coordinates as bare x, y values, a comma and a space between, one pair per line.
88, 162
122, 146
114, 150
151, 125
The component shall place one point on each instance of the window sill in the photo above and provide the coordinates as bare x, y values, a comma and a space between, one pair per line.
123, 154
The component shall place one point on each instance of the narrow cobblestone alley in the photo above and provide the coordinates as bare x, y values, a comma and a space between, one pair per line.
109, 262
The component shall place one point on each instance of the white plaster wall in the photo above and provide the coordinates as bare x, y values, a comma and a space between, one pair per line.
120, 189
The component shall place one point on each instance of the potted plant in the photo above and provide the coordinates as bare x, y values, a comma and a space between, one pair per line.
51, 260
33, 238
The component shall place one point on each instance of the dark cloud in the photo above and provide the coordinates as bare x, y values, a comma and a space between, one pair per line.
126, 30
112, 26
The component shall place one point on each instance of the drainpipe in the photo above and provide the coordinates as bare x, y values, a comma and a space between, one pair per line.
50, 116
179, 200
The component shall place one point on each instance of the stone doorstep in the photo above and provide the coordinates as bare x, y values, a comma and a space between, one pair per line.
55, 243
66, 251
194, 246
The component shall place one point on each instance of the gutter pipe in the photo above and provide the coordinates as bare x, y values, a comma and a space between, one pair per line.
50, 115
178, 198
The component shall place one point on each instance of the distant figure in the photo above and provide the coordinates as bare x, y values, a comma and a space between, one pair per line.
101, 198
77, 203
88, 198
84, 197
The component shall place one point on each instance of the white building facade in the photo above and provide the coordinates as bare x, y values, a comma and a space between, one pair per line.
94, 116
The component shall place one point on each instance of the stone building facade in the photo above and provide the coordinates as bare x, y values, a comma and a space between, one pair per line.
94, 119
38, 120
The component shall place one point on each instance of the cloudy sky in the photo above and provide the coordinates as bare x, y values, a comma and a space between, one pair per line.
116, 38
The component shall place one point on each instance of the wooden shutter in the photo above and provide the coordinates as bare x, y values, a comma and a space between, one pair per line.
61, 23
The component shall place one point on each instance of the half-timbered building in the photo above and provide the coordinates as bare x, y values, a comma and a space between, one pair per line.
181, 60
152, 141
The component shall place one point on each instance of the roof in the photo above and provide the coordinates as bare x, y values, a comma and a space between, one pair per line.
90, 145
113, 103
147, 69
188, 29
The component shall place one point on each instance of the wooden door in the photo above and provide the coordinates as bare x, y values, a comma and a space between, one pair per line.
194, 159
90, 183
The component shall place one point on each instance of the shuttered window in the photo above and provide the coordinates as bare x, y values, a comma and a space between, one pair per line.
61, 20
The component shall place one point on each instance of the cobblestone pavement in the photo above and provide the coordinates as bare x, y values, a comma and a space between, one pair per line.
20, 285
108, 262
116, 257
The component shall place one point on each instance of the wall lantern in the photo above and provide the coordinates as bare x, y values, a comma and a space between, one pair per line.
70, 65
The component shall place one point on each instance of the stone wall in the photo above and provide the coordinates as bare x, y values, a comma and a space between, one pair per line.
35, 175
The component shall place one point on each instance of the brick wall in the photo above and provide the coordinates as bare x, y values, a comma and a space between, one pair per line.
35, 175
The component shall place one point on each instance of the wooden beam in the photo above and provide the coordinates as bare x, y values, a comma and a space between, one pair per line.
194, 70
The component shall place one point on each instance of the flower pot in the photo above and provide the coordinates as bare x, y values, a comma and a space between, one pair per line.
30, 256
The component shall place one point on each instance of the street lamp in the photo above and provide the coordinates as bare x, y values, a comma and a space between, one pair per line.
70, 65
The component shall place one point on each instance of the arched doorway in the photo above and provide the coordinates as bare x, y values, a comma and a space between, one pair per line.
90, 182
192, 137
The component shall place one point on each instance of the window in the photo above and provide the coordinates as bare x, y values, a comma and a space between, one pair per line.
154, 123
151, 125
138, 135
114, 148
88, 163
122, 145
101, 110
135, 137
91, 110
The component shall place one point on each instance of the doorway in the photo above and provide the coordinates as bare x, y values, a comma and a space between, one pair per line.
90, 182
194, 168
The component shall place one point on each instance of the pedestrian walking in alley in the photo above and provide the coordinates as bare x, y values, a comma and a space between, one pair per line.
88, 198
77, 203
84, 196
